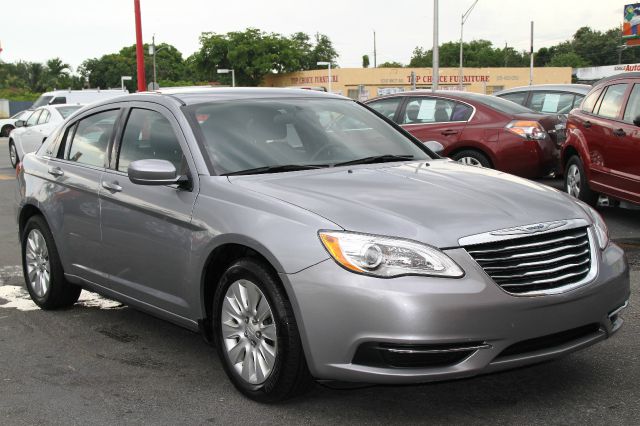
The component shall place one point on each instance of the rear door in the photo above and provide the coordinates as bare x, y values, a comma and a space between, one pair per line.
146, 230
435, 119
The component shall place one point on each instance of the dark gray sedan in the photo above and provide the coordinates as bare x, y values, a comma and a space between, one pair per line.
309, 237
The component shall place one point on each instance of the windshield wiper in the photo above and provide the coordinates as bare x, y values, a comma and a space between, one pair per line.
375, 159
276, 169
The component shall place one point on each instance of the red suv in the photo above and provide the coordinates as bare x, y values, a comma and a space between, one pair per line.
602, 150
479, 130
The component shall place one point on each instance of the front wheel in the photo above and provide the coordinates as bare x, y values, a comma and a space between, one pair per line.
13, 154
257, 335
575, 182
6, 130
42, 268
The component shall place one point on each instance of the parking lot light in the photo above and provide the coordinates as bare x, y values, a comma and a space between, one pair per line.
123, 78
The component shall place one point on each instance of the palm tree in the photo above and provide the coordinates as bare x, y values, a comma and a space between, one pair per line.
56, 70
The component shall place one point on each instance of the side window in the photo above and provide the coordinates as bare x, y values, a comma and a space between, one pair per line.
386, 107
518, 97
92, 137
612, 100
578, 100
148, 134
632, 111
433, 110
33, 119
551, 102
590, 101
58, 100
52, 144
44, 117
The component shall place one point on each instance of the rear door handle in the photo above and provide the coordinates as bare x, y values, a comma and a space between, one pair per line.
619, 132
587, 124
449, 132
111, 186
55, 171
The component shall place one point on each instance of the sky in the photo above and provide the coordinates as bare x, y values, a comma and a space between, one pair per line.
75, 30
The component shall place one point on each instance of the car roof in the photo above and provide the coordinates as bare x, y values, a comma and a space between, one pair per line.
621, 76
196, 95
582, 89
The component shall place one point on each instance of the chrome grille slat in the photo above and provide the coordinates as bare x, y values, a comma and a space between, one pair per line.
542, 271
532, 254
524, 246
536, 263
542, 262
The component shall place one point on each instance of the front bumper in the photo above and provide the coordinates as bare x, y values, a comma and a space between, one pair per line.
338, 312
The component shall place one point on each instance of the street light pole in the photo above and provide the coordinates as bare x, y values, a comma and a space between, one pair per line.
464, 18
322, 63
152, 52
436, 52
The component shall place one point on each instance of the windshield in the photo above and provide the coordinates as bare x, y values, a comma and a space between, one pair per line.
68, 110
271, 133
499, 104
42, 101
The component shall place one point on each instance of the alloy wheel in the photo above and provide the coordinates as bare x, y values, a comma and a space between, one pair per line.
38, 266
13, 155
470, 161
249, 332
573, 181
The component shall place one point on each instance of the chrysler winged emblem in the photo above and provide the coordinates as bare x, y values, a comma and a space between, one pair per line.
530, 229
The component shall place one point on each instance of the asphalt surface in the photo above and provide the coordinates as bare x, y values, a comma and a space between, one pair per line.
101, 362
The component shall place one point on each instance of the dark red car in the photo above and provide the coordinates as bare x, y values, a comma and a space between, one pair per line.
479, 130
602, 151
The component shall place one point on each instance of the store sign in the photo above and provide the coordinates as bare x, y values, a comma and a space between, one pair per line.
312, 80
596, 73
450, 79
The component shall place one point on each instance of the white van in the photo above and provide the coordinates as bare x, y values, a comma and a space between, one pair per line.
82, 97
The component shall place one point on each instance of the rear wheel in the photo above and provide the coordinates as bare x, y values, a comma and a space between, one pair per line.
472, 158
575, 182
13, 154
257, 335
6, 129
42, 268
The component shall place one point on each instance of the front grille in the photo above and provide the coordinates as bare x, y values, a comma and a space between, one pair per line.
537, 262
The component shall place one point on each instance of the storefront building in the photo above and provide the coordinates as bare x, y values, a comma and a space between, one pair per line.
366, 83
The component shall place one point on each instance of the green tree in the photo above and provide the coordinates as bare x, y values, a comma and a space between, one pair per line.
390, 64
569, 59
365, 61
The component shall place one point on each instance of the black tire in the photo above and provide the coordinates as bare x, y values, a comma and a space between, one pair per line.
290, 375
582, 192
6, 129
476, 155
60, 292
14, 163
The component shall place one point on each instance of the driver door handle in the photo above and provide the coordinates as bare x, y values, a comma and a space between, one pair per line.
111, 186
587, 124
449, 132
55, 171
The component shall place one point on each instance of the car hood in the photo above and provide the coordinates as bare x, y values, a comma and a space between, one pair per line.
437, 202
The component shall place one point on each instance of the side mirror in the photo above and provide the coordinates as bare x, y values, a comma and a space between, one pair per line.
636, 121
21, 123
435, 146
153, 172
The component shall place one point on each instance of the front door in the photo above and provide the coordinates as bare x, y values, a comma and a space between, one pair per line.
147, 230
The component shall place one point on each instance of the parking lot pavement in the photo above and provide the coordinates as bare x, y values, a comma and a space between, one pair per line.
101, 362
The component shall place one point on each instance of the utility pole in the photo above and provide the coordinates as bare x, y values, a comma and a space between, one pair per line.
375, 59
531, 58
436, 54
142, 83
464, 18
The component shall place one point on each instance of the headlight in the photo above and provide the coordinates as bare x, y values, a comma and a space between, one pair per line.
600, 228
387, 257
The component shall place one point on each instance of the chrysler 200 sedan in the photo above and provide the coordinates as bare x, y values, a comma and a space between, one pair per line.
308, 237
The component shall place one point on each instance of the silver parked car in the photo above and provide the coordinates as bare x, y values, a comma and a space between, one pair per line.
310, 237
547, 98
